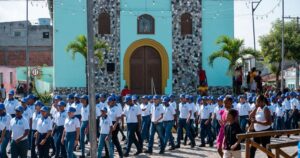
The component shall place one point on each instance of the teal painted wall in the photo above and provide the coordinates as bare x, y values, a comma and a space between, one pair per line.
69, 21
161, 11
218, 19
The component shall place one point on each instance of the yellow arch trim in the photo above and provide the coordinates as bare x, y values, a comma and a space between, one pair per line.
160, 49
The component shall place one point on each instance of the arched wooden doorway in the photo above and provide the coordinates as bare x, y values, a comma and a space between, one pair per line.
145, 71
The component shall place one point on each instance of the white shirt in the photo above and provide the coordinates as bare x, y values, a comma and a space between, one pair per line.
69, 105
5, 120
53, 111
260, 116
31, 107
169, 113
147, 108
217, 112
78, 107
18, 127
243, 109
131, 113
85, 112
204, 112
99, 106
71, 124
11, 105
286, 104
174, 104
105, 125
156, 112
184, 110
193, 107
252, 106
35, 118
27, 114
294, 103
114, 113
59, 118
279, 111
44, 125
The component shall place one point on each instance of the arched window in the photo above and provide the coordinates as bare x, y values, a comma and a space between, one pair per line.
146, 24
104, 23
186, 24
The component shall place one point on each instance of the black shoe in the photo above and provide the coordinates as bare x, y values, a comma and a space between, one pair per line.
172, 148
177, 146
211, 144
189, 143
161, 152
148, 152
193, 145
202, 145
82, 156
137, 153
184, 143
124, 138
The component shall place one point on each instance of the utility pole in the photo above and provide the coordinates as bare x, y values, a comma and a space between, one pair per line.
27, 51
282, 49
256, 3
91, 78
296, 62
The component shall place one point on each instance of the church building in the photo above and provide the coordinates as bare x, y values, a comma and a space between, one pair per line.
156, 46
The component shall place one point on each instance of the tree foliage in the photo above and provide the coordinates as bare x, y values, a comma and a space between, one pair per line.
232, 50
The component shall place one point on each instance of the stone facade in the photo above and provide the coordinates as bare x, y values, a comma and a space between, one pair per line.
186, 48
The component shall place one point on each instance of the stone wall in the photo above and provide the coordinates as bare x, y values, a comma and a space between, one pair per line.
187, 48
109, 82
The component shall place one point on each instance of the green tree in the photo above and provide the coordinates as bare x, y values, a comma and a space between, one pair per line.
271, 46
79, 45
232, 50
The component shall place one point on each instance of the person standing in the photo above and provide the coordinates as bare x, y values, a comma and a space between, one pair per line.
105, 133
261, 118
243, 109
295, 110
11, 103
146, 119
133, 120
5, 130
114, 113
216, 114
59, 119
78, 106
168, 121
2, 92
157, 112
287, 106
70, 99
84, 129
279, 116
71, 132
185, 115
27, 114
205, 123
20, 130
43, 133
35, 117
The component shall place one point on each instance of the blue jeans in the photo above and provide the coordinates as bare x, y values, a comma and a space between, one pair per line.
59, 148
243, 122
182, 124
69, 144
4, 144
84, 125
168, 125
278, 123
131, 128
159, 129
287, 119
146, 120
102, 143
205, 132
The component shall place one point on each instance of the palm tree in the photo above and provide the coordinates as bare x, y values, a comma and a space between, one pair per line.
79, 45
232, 50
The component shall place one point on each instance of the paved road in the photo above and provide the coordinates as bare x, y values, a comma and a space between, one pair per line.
211, 152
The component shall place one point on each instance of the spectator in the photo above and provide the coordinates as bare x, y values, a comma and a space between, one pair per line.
125, 91
2, 92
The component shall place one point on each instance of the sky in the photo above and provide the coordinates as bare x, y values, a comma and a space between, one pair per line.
267, 12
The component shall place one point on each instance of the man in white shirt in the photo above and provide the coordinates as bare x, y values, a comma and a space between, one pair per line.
295, 110
85, 111
70, 99
78, 106
216, 117
11, 103
5, 120
106, 128
168, 121
133, 120
243, 109
146, 120
20, 130
279, 116
185, 114
157, 113
287, 106
59, 119
205, 123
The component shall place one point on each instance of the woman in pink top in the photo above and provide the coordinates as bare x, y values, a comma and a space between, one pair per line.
223, 113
